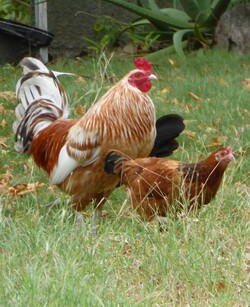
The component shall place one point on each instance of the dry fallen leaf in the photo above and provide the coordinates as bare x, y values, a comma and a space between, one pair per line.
217, 121
189, 133
2, 109
220, 286
127, 249
2, 142
246, 83
80, 110
194, 96
7, 176
119, 239
35, 216
24, 188
241, 152
104, 213
5, 181
27, 168
80, 79
176, 101
217, 141
172, 62
165, 90
244, 64
4, 186
214, 144
7, 95
3, 123
222, 81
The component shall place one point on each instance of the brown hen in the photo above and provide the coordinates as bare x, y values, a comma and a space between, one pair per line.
155, 184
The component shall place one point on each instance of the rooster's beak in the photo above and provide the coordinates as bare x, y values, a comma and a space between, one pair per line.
152, 77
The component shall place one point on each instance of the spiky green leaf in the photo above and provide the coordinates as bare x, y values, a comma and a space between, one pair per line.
177, 15
157, 18
178, 41
218, 8
191, 8
152, 5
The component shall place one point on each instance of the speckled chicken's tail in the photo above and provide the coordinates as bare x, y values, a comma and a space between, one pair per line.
42, 101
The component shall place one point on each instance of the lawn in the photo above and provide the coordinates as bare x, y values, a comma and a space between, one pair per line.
202, 259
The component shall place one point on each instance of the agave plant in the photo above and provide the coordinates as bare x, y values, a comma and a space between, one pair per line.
197, 18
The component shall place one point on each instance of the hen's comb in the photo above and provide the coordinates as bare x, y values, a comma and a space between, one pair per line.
143, 64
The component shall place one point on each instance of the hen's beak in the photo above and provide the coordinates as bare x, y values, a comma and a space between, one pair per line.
231, 158
152, 77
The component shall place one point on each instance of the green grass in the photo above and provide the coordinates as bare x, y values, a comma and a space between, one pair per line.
201, 260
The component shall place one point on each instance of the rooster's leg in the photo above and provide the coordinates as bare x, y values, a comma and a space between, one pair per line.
99, 202
80, 221
96, 217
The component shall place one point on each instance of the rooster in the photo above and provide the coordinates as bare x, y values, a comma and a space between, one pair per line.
155, 184
72, 151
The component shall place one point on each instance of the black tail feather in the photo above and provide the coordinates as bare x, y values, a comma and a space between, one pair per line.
168, 128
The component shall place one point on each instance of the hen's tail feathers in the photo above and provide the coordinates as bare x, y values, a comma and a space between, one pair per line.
113, 163
42, 101
168, 128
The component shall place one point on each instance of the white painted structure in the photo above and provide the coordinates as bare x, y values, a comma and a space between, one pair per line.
41, 22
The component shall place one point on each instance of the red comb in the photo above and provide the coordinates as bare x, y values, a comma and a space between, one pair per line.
143, 64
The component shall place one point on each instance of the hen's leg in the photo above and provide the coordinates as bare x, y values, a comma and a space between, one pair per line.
163, 221
80, 221
96, 217
54, 203
79, 206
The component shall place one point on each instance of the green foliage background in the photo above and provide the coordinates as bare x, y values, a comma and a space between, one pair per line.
16, 10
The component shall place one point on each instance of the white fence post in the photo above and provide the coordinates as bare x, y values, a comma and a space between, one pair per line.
41, 22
